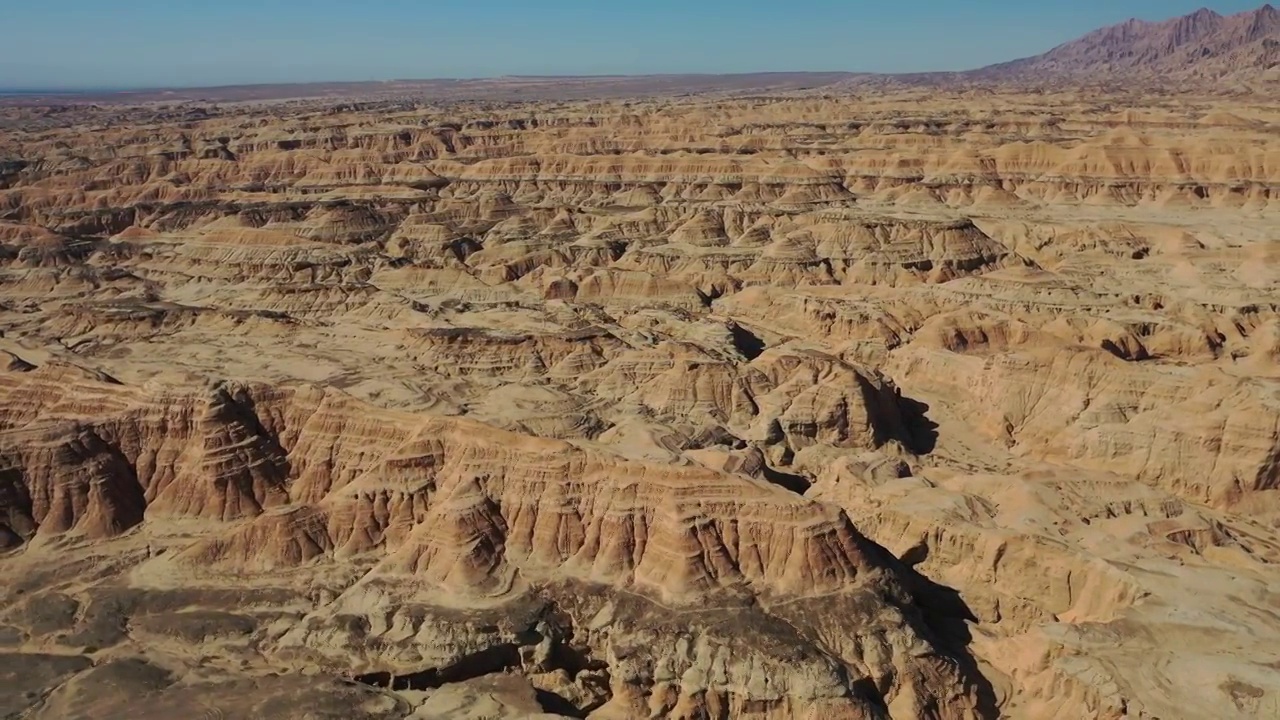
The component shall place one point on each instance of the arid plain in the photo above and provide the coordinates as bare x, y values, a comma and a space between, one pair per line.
834, 403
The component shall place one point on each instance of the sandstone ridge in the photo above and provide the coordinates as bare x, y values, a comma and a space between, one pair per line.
798, 404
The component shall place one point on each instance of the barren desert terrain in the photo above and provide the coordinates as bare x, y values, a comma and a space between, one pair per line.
835, 402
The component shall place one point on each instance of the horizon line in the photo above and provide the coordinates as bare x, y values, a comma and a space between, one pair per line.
124, 90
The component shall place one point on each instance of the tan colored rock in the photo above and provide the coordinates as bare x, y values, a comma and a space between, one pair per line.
946, 404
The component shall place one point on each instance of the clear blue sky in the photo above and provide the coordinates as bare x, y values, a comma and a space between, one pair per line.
151, 43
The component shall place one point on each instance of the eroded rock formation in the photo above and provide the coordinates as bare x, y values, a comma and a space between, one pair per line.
793, 406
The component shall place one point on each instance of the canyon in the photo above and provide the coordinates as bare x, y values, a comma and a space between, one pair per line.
760, 402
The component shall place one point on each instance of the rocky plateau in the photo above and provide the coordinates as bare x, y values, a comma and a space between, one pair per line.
806, 403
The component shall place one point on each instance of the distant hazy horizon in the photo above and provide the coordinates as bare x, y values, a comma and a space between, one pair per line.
91, 46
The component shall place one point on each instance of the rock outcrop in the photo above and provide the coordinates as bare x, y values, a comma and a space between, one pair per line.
808, 405
1199, 46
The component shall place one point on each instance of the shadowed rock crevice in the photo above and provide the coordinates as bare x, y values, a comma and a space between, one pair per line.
798, 484
496, 659
17, 524
947, 615
747, 343
533, 654
559, 705
923, 431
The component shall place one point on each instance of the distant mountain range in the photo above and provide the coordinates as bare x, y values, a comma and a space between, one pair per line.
1201, 46
1233, 53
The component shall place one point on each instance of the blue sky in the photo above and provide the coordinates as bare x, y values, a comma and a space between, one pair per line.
152, 43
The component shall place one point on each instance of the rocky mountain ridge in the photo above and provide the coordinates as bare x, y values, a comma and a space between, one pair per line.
1201, 46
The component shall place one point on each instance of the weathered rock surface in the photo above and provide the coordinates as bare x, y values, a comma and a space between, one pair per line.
1203, 45
793, 406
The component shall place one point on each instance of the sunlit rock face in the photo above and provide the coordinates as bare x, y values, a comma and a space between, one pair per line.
800, 405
